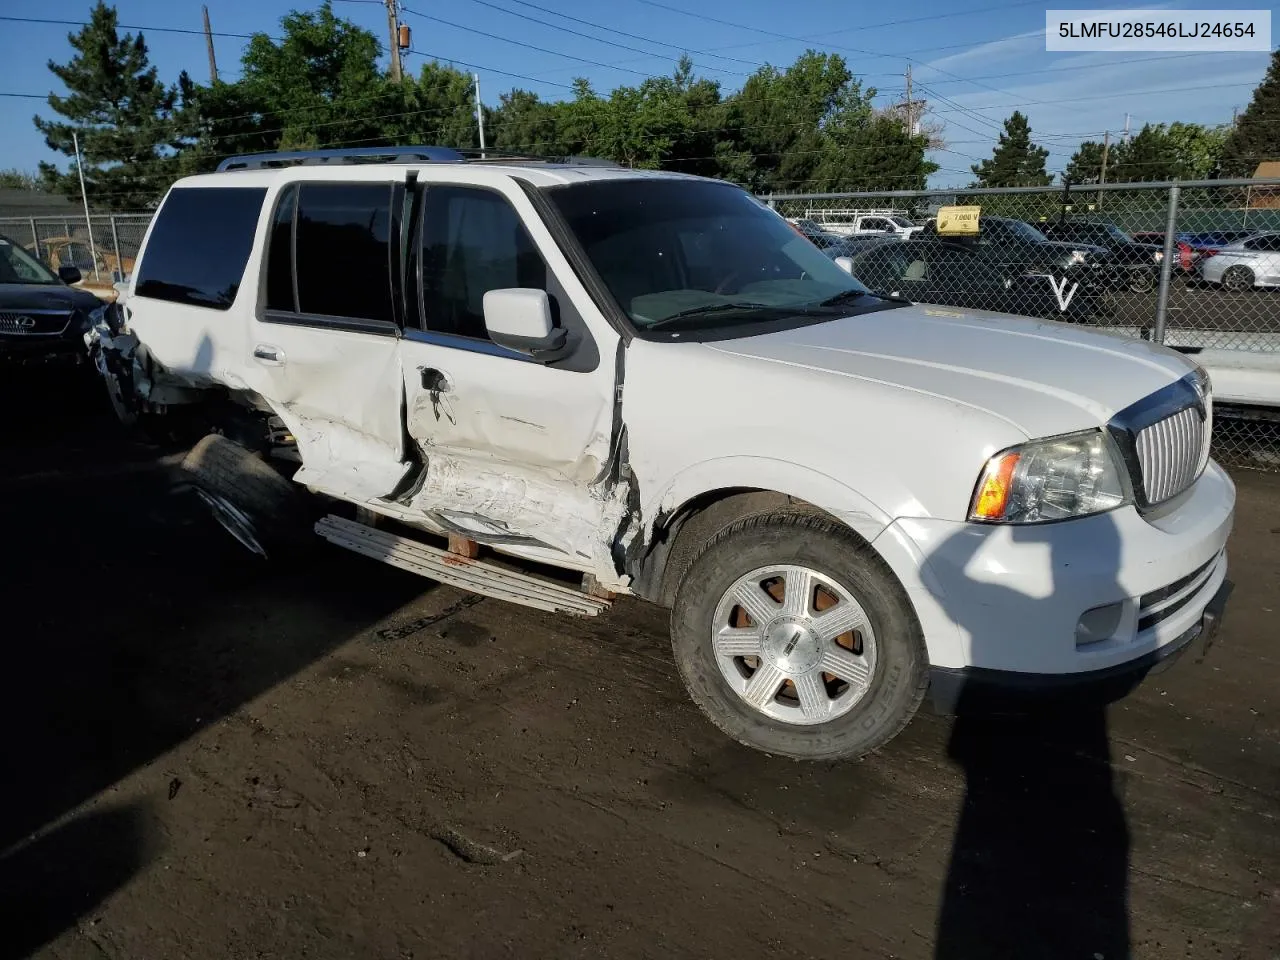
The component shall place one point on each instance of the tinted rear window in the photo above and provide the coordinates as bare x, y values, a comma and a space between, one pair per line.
342, 250
200, 244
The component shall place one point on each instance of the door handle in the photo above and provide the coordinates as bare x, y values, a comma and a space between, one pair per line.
434, 381
271, 356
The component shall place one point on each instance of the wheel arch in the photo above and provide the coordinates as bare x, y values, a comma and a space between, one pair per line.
704, 499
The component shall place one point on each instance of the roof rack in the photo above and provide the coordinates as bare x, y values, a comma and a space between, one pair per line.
476, 155
350, 155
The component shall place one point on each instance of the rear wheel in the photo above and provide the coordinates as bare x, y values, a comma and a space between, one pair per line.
793, 637
1237, 278
252, 502
1142, 279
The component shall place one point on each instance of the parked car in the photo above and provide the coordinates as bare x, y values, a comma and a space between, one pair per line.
1138, 263
1014, 243
812, 231
1245, 264
853, 223
62, 252
955, 275
648, 380
1187, 256
42, 319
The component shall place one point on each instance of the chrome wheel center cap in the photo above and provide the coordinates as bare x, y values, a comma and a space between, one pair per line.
791, 646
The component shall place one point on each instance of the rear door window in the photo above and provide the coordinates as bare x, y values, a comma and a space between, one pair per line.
199, 246
343, 251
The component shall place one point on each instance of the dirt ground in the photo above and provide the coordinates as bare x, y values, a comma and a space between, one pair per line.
205, 755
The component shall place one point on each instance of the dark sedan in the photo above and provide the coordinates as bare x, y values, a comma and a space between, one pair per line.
1137, 263
42, 320
934, 271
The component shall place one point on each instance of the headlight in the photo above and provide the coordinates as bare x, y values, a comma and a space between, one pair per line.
1070, 476
1159, 255
1078, 256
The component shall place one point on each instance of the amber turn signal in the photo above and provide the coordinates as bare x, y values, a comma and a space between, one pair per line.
992, 496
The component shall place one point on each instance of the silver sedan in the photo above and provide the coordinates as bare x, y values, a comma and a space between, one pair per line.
1253, 262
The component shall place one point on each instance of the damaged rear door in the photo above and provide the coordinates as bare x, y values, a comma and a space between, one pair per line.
323, 348
516, 451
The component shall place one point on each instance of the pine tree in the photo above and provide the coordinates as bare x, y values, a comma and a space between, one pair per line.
1085, 165
1256, 136
121, 112
1016, 161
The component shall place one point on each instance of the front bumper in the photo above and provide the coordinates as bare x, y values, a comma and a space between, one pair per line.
1012, 598
958, 690
40, 350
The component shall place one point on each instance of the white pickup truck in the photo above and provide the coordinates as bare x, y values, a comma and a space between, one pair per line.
649, 382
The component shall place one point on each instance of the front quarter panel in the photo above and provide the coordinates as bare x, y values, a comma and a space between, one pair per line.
700, 420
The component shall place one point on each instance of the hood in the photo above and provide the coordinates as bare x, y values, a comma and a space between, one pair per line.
45, 296
1044, 378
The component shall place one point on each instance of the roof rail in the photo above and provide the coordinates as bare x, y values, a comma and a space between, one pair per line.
476, 155
349, 155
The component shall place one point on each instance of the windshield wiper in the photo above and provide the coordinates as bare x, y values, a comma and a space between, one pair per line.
707, 310
842, 297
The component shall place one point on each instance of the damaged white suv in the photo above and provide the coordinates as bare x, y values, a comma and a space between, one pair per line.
653, 384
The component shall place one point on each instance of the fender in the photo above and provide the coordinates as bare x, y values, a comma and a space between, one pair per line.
763, 473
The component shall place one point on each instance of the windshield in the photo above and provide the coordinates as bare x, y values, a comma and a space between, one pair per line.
902, 221
700, 254
1023, 230
1116, 232
18, 266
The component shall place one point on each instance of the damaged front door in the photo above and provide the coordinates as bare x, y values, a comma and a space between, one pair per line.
515, 450
323, 351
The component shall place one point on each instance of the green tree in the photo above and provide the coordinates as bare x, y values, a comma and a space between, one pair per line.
1179, 151
876, 153
1085, 165
121, 112
1256, 136
319, 85
16, 179
1016, 160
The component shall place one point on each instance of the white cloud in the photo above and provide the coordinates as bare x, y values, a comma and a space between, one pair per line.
990, 51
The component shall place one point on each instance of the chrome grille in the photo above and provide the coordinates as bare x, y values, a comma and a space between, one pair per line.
1172, 452
33, 322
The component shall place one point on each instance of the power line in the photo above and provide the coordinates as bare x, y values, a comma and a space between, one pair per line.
633, 36
521, 43
587, 36
134, 26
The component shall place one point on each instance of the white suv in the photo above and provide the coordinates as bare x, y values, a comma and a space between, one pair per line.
650, 382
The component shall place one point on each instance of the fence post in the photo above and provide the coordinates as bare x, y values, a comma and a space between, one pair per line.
35, 237
115, 244
1166, 266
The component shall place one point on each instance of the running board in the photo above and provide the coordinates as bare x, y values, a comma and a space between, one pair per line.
477, 576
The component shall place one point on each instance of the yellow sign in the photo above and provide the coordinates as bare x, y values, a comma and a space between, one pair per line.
953, 221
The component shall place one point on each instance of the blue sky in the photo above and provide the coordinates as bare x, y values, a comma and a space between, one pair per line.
974, 62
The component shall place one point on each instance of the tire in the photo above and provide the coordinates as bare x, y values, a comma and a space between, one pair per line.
254, 503
1237, 279
1142, 280
832, 724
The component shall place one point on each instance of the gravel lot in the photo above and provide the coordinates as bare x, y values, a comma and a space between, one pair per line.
210, 756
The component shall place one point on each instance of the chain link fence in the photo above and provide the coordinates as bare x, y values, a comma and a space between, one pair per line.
1193, 265
102, 247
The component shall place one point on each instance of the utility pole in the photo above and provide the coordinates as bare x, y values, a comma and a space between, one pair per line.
1127, 118
1106, 148
479, 113
393, 24
88, 224
208, 42
911, 126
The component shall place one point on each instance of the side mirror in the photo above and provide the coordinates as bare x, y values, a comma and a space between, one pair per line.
520, 319
69, 275
845, 264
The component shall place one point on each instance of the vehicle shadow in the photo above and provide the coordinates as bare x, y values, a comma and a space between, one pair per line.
132, 623
1039, 861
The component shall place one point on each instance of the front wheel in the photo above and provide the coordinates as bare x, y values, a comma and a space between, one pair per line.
1237, 279
795, 638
